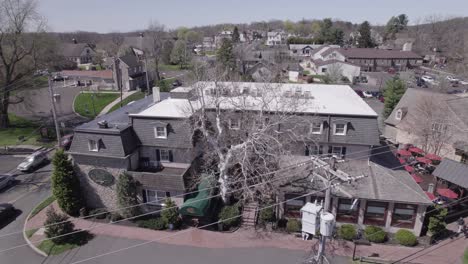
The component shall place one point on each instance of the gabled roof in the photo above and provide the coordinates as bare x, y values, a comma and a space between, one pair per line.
73, 50
453, 171
368, 53
130, 60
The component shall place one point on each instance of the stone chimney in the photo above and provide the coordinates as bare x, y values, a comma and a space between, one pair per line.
156, 94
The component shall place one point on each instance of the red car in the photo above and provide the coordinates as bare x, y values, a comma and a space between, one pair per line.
382, 99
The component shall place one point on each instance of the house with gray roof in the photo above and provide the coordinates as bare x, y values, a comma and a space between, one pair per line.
435, 122
79, 53
453, 172
132, 72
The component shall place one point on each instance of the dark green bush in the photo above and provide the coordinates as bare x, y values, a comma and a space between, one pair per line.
155, 223
170, 214
55, 229
347, 232
229, 215
101, 213
127, 195
375, 234
293, 226
406, 238
267, 215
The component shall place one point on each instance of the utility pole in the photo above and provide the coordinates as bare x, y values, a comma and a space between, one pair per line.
147, 80
119, 79
54, 112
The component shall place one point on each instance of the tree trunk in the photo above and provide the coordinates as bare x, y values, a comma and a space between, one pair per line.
4, 103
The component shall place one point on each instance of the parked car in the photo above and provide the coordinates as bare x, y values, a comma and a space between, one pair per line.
6, 211
455, 92
359, 92
428, 79
58, 78
67, 140
452, 79
5, 180
367, 94
376, 94
463, 82
176, 83
32, 161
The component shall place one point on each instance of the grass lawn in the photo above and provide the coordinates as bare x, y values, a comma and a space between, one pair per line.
20, 127
134, 97
30, 232
91, 104
465, 257
50, 248
42, 205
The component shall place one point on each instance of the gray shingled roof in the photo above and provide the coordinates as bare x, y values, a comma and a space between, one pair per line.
170, 179
453, 171
368, 53
72, 49
131, 60
459, 106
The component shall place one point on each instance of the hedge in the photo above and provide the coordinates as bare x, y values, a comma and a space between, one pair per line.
375, 234
155, 223
293, 226
347, 232
406, 238
229, 215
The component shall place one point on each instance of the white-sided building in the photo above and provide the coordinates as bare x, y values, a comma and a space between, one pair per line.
275, 38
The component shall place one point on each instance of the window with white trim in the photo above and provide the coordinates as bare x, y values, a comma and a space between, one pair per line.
160, 132
93, 145
156, 197
339, 129
399, 114
234, 124
164, 155
317, 128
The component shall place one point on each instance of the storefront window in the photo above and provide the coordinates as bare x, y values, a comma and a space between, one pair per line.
292, 208
404, 215
376, 213
346, 212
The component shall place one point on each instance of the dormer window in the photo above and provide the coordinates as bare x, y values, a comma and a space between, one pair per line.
339, 129
399, 114
93, 145
160, 132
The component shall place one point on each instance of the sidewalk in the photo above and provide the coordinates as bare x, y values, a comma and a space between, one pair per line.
116, 101
448, 251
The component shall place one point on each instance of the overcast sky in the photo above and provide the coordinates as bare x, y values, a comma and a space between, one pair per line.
129, 15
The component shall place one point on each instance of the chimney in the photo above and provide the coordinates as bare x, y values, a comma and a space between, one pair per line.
74, 41
156, 95
103, 124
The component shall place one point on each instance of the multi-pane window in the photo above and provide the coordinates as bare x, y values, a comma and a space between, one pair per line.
404, 215
292, 207
165, 156
340, 129
317, 128
160, 132
156, 197
348, 210
93, 145
314, 150
438, 127
376, 213
337, 150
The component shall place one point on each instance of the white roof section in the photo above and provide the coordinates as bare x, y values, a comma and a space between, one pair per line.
268, 97
181, 89
169, 108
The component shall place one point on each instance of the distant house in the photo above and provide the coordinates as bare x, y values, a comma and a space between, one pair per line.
262, 71
374, 59
308, 49
79, 53
346, 69
97, 79
432, 121
294, 72
132, 72
221, 36
275, 38
208, 43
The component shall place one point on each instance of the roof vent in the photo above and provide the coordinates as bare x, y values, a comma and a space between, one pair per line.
103, 124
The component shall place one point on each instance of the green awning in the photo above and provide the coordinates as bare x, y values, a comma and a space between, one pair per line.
200, 204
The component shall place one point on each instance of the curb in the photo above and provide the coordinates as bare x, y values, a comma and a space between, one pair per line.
73, 106
30, 244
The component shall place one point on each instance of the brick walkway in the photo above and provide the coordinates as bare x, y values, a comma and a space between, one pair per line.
448, 251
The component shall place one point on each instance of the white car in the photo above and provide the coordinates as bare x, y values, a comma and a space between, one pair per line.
452, 79
32, 161
367, 94
428, 79
464, 82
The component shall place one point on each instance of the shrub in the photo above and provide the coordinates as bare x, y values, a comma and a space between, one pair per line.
347, 232
127, 195
66, 185
170, 214
267, 215
54, 229
114, 217
101, 213
229, 215
155, 223
465, 256
437, 223
293, 226
375, 234
406, 238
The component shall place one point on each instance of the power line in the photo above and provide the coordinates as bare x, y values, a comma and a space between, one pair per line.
196, 191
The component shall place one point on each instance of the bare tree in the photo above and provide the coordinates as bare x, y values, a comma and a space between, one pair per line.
23, 48
430, 124
156, 32
244, 129
334, 72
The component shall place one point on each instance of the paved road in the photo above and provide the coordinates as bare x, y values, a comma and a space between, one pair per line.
28, 190
168, 254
